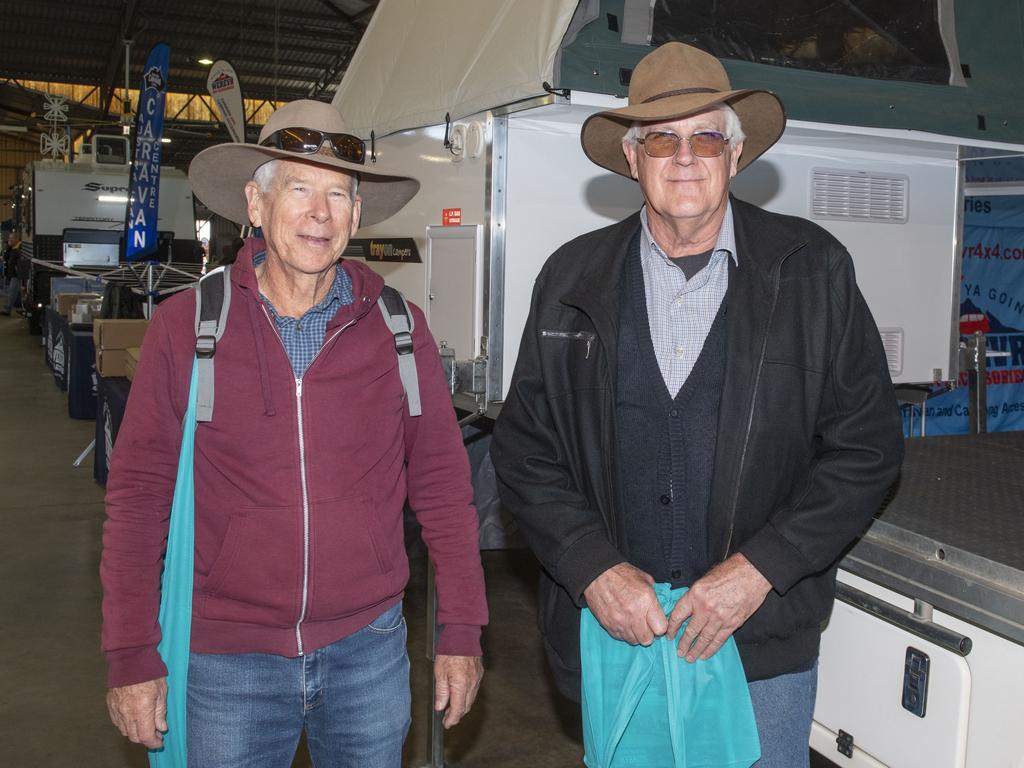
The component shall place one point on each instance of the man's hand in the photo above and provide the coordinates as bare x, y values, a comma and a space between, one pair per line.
717, 605
622, 599
456, 682
140, 711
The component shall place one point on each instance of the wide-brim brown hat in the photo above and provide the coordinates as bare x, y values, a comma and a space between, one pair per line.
219, 174
675, 81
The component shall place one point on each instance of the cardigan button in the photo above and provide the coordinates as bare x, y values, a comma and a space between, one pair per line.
676, 574
665, 499
674, 413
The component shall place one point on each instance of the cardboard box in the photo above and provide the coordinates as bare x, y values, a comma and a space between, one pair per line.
110, 362
112, 339
119, 334
131, 360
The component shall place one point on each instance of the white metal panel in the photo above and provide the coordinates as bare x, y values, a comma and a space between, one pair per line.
907, 271
445, 183
860, 687
67, 196
554, 194
455, 269
995, 736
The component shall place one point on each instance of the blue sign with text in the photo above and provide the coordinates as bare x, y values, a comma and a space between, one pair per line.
144, 187
991, 301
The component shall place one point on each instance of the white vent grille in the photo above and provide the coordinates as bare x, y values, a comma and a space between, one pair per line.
859, 195
892, 342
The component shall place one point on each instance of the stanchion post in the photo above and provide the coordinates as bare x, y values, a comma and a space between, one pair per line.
435, 735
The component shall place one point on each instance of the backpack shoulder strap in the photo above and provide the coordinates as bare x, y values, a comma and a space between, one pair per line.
398, 318
213, 299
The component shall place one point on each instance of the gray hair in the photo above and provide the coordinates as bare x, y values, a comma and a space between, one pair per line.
733, 128
264, 177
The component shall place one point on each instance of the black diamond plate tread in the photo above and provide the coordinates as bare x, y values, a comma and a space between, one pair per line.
965, 491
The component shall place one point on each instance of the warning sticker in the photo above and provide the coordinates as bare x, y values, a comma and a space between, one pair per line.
451, 217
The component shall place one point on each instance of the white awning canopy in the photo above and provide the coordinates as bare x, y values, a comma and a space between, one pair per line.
421, 59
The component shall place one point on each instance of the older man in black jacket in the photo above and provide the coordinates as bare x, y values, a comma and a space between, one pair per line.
701, 398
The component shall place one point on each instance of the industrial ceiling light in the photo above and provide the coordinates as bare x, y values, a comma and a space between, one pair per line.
206, 61
164, 140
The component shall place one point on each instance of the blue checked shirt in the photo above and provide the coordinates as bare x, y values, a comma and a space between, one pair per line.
303, 337
680, 311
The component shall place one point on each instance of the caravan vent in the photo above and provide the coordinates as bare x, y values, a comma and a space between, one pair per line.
892, 342
859, 196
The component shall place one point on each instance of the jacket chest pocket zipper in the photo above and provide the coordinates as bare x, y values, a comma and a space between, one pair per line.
585, 336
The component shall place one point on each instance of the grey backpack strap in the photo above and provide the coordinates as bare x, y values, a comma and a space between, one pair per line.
213, 299
398, 318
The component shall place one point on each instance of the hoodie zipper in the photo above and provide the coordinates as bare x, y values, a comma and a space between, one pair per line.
302, 474
776, 279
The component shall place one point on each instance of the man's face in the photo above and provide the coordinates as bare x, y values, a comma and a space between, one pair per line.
307, 216
684, 187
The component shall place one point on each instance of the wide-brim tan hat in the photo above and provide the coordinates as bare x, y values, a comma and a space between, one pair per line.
675, 81
219, 174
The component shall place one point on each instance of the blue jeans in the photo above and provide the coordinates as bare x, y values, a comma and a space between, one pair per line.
13, 295
352, 698
784, 708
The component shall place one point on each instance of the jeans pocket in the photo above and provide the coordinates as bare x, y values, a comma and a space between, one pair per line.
389, 621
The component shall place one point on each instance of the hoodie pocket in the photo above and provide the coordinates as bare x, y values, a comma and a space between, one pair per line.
355, 550
257, 574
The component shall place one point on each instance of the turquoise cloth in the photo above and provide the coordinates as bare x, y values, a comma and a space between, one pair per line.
176, 596
645, 706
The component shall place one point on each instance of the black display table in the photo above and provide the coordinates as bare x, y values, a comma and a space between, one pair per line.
111, 399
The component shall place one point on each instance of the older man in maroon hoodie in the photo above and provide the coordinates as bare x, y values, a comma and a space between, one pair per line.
300, 479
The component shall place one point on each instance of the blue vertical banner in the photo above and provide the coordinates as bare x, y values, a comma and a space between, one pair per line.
991, 301
140, 235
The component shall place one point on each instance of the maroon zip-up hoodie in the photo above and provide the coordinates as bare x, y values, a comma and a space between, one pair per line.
300, 486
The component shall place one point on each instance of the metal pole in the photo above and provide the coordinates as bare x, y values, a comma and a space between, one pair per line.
435, 736
81, 457
977, 395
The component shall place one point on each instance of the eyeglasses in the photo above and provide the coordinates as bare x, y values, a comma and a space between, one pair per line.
308, 141
702, 143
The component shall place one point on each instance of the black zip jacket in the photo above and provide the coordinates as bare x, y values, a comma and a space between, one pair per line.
809, 435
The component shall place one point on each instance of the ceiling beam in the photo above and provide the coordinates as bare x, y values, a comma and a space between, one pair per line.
335, 10
117, 54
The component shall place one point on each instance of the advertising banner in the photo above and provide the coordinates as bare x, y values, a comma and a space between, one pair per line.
226, 91
140, 237
991, 301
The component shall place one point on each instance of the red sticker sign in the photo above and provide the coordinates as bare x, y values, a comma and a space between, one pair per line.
451, 217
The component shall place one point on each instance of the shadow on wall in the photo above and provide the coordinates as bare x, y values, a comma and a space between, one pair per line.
612, 196
758, 184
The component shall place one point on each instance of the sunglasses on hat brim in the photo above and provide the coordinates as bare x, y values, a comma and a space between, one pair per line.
309, 141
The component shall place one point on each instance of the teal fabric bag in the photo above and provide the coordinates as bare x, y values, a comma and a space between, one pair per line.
176, 596
648, 707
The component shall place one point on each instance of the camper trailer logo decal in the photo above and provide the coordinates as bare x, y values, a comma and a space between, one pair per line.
95, 186
399, 249
222, 82
154, 79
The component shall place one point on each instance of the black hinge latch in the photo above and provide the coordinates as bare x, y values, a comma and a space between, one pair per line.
844, 743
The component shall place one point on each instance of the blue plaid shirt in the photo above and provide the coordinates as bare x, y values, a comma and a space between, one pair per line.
303, 338
681, 311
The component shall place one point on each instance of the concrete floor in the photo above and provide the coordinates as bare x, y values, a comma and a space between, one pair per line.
52, 710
